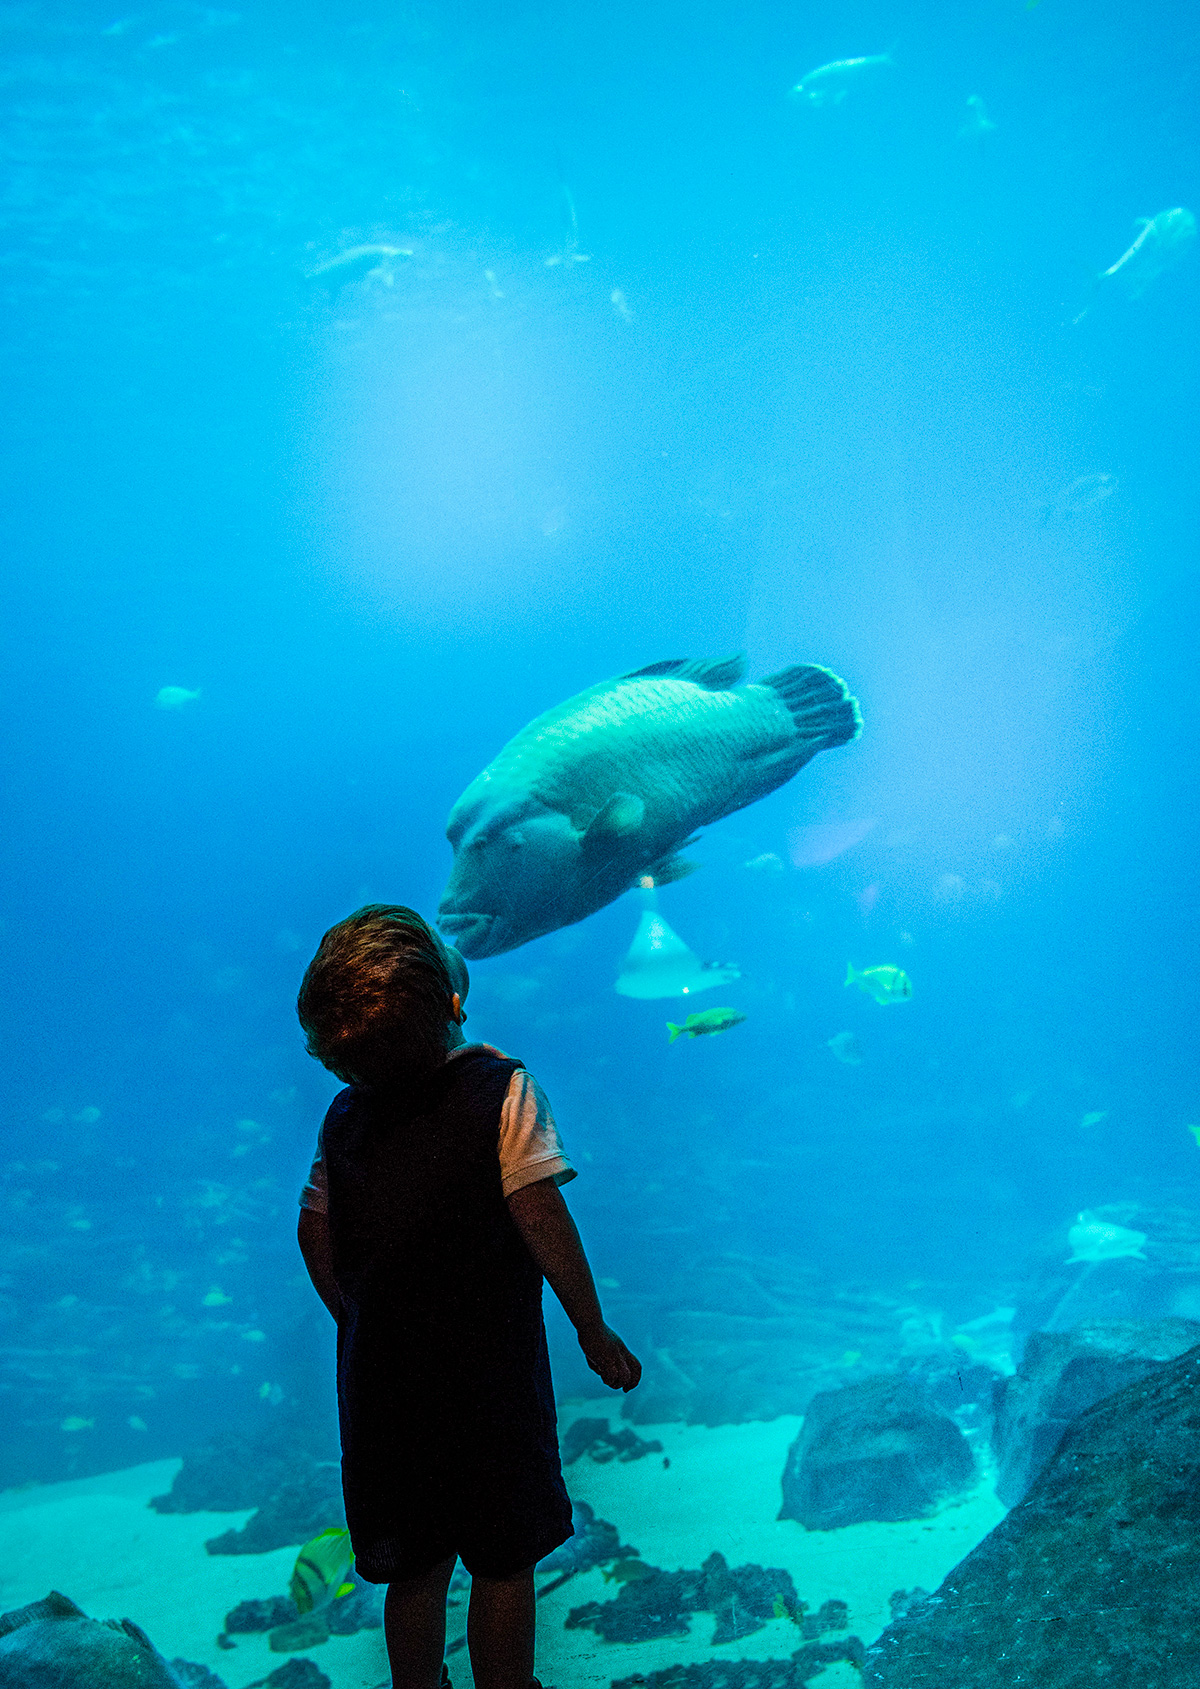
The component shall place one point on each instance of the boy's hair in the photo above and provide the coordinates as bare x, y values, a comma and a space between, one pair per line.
376, 998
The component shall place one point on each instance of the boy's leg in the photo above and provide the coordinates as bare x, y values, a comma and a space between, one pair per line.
500, 1627
414, 1626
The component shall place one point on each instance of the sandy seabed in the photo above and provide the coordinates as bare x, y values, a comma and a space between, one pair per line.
96, 1540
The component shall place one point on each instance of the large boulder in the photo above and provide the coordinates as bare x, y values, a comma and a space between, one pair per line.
1063, 1373
52, 1644
1092, 1579
875, 1450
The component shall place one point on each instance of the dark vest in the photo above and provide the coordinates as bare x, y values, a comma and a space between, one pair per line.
442, 1357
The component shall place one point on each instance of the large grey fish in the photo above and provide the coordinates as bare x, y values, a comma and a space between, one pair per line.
600, 793
52, 1644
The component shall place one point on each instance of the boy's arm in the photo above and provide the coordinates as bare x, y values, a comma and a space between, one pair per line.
312, 1234
544, 1222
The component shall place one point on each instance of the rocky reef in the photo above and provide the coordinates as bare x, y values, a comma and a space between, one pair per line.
1092, 1577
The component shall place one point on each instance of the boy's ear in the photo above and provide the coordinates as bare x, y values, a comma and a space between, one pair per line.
456, 1009
459, 976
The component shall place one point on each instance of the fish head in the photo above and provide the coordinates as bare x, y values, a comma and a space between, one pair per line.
514, 863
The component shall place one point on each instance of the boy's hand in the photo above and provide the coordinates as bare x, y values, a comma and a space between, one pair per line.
607, 1355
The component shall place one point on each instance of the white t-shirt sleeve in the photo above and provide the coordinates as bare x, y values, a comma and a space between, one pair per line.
315, 1194
530, 1147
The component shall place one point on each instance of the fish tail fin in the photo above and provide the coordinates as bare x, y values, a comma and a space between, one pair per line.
851, 976
821, 707
674, 1031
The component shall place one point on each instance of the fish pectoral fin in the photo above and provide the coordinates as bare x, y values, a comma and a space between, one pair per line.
670, 868
715, 674
621, 815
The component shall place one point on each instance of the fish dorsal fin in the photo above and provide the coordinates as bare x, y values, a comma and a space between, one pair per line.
715, 674
52, 1606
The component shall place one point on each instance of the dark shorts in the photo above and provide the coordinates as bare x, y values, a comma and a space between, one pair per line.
494, 1537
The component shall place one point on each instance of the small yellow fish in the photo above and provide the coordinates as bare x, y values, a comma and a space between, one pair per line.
886, 984
708, 1020
322, 1569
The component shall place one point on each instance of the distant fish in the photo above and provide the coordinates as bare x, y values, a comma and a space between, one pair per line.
322, 1569
846, 1048
87, 1116
357, 263
174, 697
1096, 1240
659, 964
216, 1298
707, 1021
1162, 242
620, 305
978, 125
1081, 494
886, 984
1094, 1117
821, 841
1195, 1131
75, 1423
829, 84
767, 863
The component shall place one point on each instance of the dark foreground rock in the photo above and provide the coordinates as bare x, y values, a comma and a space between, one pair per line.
875, 1450
1092, 1579
1062, 1374
52, 1644
804, 1665
655, 1603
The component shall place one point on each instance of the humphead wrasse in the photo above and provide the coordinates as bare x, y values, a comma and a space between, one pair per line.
603, 791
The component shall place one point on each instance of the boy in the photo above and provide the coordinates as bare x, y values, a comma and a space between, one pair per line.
432, 1212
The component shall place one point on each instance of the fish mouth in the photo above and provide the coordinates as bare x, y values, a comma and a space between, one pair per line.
473, 936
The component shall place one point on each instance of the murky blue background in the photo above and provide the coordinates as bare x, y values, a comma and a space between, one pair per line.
378, 527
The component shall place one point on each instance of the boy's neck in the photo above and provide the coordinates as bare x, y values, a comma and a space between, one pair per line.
455, 1037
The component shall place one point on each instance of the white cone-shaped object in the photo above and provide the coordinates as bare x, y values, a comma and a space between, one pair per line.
659, 963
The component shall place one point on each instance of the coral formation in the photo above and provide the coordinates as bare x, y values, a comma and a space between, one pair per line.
593, 1437
660, 1603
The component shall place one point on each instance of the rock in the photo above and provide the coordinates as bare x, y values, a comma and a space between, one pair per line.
1092, 1578
309, 1631
595, 1543
1061, 1374
303, 1504
875, 1450
192, 1676
660, 1603
805, 1664
251, 1616
52, 1644
594, 1437
361, 1611
296, 1674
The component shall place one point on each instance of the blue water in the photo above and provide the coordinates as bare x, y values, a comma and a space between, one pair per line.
806, 398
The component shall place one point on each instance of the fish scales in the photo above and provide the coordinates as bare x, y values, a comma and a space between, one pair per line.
628, 737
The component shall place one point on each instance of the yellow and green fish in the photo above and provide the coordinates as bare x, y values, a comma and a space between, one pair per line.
322, 1569
885, 984
708, 1020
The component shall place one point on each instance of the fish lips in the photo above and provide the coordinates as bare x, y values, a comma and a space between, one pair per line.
474, 935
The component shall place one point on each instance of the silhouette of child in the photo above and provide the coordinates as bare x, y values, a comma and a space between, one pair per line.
431, 1215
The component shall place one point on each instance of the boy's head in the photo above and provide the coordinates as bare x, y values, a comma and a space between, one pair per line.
380, 997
